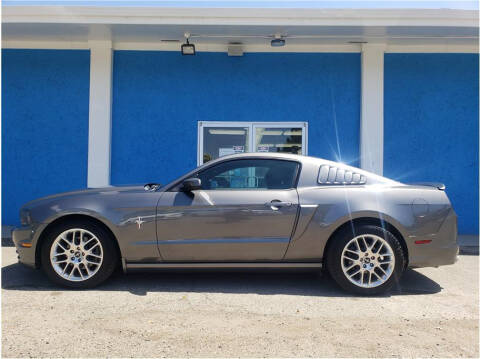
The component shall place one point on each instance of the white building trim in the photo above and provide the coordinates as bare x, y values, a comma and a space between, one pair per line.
44, 44
238, 16
371, 125
100, 113
433, 48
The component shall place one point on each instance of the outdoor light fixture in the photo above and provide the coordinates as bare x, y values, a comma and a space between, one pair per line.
188, 48
235, 49
277, 41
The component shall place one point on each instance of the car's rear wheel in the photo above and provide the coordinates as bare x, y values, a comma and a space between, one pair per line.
78, 254
365, 259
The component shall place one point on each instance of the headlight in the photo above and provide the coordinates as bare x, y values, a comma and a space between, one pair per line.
25, 218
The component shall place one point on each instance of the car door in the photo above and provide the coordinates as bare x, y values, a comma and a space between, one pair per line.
245, 211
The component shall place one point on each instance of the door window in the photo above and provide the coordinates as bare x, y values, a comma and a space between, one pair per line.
217, 139
250, 174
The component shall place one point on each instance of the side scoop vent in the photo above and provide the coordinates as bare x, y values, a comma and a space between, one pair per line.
328, 175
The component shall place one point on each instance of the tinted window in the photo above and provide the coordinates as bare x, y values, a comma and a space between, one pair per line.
250, 174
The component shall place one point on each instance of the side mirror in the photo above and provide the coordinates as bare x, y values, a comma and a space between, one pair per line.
191, 184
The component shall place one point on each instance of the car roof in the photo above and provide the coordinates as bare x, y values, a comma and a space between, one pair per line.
266, 155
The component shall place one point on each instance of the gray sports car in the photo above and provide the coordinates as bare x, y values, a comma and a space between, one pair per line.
246, 210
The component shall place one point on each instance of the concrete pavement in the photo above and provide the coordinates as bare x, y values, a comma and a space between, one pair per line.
432, 313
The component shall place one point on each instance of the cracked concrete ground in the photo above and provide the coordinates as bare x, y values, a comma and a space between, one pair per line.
432, 313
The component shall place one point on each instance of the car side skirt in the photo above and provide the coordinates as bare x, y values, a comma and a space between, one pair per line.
219, 265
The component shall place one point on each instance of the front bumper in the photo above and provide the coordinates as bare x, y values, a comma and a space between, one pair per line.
24, 240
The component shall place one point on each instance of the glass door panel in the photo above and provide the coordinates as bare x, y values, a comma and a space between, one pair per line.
222, 141
279, 139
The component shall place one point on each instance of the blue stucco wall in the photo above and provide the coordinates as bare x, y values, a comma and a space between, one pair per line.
431, 126
44, 125
158, 97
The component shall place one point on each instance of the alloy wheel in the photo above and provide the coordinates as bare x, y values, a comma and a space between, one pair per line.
368, 261
76, 254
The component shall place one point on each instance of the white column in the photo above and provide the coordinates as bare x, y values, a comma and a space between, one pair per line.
371, 126
100, 113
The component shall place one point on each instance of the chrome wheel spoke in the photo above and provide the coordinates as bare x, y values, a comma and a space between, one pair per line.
88, 270
384, 273
91, 239
379, 249
354, 274
354, 252
365, 243
65, 269
80, 271
58, 262
62, 247
353, 265
95, 245
358, 244
75, 266
65, 238
379, 278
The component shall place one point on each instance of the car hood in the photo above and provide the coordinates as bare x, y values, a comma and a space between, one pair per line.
88, 192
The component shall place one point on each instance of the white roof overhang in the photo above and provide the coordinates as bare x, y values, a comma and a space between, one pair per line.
217, 26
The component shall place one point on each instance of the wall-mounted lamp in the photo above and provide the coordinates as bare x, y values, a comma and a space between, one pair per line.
235, 49
277, 41
188, 48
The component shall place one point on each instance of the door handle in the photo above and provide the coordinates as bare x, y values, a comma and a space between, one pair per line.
275, 204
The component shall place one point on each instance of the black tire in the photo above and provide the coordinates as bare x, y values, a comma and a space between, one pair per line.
110, 256
334, 258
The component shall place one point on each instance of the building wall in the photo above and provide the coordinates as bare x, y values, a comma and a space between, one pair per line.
431, 125
158, 97
431, 115
44, 125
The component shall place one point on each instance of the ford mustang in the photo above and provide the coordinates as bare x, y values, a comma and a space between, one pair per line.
255, 210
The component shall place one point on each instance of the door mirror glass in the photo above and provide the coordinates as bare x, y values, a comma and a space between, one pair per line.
192, 184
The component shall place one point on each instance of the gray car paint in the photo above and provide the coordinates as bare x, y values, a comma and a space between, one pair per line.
239, 226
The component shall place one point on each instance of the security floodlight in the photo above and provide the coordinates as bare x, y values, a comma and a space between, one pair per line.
188, 48
235, 49
277, 42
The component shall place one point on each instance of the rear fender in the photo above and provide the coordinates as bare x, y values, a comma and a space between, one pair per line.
314, 229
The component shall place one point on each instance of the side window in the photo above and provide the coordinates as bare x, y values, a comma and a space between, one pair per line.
250, 174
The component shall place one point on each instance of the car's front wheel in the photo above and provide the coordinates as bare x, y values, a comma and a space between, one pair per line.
366, 259
78, 254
